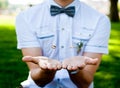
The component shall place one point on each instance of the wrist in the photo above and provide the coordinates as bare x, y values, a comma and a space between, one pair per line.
42, 77
47, 71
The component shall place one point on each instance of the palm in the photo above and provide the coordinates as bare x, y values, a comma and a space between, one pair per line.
78, 62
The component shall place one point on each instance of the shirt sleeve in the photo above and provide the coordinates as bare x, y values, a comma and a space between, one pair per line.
99, 41
25, 33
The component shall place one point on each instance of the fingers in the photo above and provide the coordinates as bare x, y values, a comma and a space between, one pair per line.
69, 66
54, 66
78, 63
44, 62
36, 59
43, 66
90, 61
30, 59
59, 66
81, 66
64, 65
50, 64
26, 58
74, 67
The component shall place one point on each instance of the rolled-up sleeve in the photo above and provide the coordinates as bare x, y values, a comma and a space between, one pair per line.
99, 41
25, 33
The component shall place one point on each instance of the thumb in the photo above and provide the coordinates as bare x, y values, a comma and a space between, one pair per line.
91, 61
30, 59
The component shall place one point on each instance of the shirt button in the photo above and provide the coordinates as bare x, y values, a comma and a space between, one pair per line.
62, 46
63, 29
89, 35
58, 80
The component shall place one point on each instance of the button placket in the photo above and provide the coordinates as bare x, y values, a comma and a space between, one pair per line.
63, 35
62, 41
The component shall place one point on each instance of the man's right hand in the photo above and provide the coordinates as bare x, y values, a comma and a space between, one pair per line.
44, 62
45, 69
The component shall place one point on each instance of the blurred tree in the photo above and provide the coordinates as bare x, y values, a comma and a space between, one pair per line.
3, 4
114, 15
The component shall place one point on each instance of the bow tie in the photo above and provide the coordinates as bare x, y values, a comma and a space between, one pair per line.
70, 11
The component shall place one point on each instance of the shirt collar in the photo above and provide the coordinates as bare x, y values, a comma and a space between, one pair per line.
75, 3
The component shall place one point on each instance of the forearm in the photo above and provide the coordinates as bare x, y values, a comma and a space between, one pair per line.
85, 76
42, 69
42, 77
82, 79
39, 76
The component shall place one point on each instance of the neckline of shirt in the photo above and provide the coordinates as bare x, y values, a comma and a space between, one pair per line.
75, 3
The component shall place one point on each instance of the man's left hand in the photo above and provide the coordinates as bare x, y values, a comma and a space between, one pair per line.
78, 62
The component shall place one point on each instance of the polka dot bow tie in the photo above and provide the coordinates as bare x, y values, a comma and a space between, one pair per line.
70, 11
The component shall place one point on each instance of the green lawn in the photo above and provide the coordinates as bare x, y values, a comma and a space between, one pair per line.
107, 75
13, 70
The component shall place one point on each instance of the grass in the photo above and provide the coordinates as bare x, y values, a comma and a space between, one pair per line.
13, 70
107, 75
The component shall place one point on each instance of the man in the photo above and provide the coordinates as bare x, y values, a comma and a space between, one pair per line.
62, 42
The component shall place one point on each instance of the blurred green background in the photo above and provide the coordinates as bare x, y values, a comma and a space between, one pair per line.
13, 70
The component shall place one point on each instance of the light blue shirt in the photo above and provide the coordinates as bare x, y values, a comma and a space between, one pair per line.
59, 35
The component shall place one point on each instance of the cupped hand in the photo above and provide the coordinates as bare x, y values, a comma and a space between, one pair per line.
44, 62
78, 62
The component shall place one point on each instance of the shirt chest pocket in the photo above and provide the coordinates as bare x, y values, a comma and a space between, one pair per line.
80, 39
46, 37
